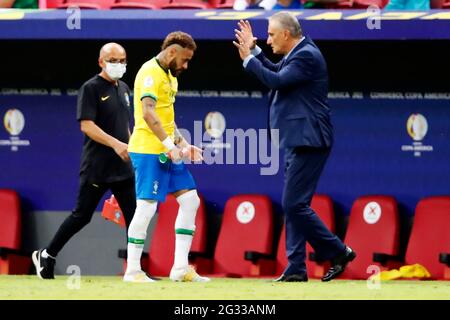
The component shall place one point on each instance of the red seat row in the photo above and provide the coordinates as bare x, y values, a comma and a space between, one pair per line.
244, 245
204, 4
12, 259
140, 4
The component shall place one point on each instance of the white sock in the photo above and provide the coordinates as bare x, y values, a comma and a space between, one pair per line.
185, 227
137, 232
182, 246
134, 253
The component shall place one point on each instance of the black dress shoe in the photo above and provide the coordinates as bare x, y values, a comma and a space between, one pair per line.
339, 264
292, 278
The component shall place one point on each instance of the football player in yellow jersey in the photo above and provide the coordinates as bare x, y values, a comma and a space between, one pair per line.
155, 134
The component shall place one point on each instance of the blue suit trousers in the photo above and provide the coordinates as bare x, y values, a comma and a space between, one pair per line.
303, 167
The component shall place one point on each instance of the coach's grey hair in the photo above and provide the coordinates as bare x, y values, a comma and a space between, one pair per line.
288, 21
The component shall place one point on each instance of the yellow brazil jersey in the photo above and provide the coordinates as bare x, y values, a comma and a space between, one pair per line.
154, 82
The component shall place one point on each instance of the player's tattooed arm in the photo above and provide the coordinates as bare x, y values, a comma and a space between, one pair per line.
151, 118
154, 123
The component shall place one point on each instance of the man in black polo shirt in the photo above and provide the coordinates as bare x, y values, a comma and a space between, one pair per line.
103, 110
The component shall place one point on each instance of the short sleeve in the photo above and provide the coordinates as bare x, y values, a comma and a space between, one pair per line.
127, 88
87, 103
149, 85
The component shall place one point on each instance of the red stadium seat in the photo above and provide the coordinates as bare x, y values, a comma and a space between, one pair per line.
323, 206
186, 4
50, 4
162, 245
373, 228
437, 4
430, 236
343, 4
222, 4
139, 4
363, 4
247, 228
87, 4
12, 259
357, 4
11, 220
446, 4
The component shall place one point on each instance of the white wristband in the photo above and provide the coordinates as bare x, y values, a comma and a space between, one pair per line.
168, 143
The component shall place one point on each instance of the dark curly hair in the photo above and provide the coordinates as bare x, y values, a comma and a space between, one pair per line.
181, 38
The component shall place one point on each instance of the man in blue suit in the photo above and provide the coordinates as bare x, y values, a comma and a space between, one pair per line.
300, 114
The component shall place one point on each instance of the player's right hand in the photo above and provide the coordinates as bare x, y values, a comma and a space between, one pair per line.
176, 154
122, 150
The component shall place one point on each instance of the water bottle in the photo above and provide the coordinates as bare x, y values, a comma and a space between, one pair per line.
165, 157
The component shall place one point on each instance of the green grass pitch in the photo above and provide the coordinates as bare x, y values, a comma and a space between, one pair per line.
112, 287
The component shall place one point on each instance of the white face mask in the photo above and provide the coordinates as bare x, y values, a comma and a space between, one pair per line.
115, 70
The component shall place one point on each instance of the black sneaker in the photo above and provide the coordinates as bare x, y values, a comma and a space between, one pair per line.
44, 266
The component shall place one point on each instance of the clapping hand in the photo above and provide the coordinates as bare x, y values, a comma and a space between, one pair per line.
245, 41
246, 33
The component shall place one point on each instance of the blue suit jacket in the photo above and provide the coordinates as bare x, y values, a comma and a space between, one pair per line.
298, 100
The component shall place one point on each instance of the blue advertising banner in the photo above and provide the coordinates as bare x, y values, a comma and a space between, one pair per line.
389, 143
219, 24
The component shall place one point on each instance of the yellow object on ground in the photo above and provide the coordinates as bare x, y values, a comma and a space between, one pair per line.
416, 271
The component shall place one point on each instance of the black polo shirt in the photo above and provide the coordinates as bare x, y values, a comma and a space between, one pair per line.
108, 105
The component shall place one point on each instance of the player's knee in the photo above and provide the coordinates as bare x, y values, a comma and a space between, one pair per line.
195, 202
189, 201
189, 204
145, 210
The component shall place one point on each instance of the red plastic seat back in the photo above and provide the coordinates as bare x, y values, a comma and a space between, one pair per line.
323, 206
247, 225
363, 4
343, 4
187, 4
162, 245
51, 4
139, 4
430, 235
356, 4
88, 4
373, 227
221, 4
436, 4
11, 223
